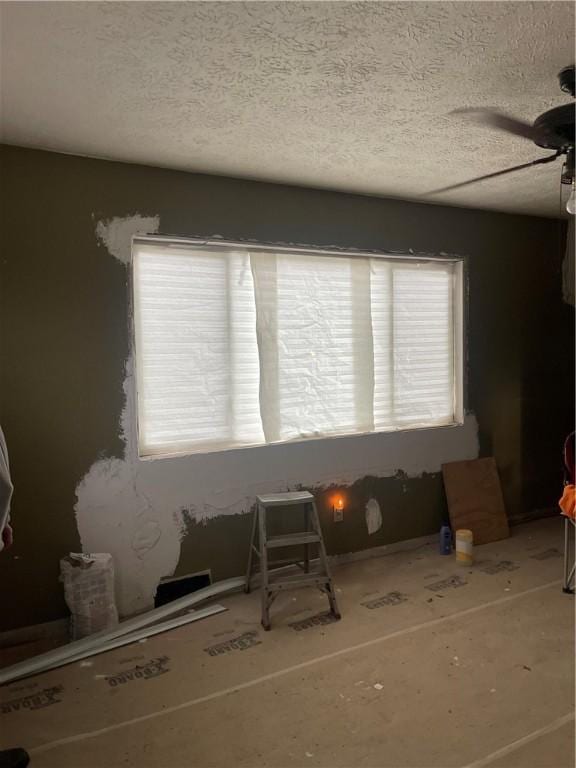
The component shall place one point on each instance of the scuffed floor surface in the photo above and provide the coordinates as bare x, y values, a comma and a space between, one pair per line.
431, 665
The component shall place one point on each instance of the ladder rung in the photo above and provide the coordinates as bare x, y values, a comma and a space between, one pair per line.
292, 539
276, 564
300, 580
285, 499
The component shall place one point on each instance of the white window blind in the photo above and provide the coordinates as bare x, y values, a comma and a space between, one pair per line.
237, 348
197, 364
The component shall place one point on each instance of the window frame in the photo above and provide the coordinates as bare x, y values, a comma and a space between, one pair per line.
459, 310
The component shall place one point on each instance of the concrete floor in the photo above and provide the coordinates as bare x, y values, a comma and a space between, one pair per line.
471, 671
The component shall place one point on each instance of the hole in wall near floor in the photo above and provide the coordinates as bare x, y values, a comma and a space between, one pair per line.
173, 588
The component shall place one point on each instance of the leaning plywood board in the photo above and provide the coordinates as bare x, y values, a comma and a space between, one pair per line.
475, 499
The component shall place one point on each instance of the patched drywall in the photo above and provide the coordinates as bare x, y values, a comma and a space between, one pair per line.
116, 234
373, 516
64, 410
136, 509
121, 502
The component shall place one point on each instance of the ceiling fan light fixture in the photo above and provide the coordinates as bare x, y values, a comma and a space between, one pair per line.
569, 177
571, 202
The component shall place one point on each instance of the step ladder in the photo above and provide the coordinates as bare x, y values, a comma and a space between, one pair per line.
271, 582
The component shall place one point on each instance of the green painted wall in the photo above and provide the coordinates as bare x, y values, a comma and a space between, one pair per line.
65, 342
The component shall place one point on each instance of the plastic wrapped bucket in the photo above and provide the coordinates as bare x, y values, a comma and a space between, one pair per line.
89, 592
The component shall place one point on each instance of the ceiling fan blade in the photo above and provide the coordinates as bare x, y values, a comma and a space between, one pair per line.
540, 161
493, 118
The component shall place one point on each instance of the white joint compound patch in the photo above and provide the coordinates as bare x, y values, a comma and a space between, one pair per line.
135, 509
116, 234
373, 516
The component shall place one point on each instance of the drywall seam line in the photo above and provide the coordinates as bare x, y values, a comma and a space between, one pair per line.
520, 742
294, 668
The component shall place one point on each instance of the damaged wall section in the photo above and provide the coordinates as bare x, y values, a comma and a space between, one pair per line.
67, 410
133, 508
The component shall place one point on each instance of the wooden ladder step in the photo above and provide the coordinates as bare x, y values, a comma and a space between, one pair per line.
292, 539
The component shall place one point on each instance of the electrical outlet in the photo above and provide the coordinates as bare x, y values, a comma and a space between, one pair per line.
338, 515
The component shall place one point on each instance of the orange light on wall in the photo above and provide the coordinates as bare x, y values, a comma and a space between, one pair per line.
338, 508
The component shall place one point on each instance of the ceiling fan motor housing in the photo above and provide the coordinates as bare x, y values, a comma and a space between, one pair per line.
555, 129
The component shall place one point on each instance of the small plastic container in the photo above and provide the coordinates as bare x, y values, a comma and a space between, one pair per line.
464, 547
445, 540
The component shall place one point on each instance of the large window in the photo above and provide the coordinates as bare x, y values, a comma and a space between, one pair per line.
238, 346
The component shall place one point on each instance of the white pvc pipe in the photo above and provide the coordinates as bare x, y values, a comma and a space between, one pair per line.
203, 613
62, 654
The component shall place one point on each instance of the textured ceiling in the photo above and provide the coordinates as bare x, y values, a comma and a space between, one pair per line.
343, 95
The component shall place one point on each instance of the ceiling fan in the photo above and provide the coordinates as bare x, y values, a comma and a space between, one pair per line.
553, 129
